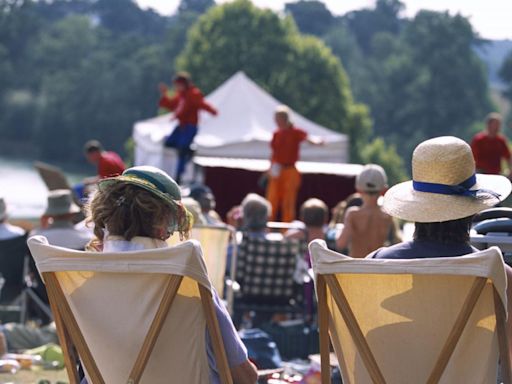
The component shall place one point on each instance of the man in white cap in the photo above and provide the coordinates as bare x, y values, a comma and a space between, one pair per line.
367, 228
442, 199
7, 231
57, 222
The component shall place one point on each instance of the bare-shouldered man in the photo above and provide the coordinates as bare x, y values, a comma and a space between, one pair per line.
368, 228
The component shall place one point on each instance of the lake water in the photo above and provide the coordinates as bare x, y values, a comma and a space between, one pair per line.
23, 189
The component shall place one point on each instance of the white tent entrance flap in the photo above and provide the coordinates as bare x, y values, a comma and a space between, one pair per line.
243, 129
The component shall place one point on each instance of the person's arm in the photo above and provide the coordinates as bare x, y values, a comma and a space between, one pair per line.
208, 107
242, 370
169, 103
346, 234
244, 373
315, 140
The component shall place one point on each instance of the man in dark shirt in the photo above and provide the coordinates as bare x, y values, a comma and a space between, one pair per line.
441, 200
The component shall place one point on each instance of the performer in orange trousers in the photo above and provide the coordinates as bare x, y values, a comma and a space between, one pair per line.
284, 178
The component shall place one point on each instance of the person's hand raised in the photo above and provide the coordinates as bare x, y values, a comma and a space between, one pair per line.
163, 88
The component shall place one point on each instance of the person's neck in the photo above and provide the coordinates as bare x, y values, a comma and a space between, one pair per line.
370, 201
315, 233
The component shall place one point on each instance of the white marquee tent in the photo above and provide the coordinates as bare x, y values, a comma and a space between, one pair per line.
243, 129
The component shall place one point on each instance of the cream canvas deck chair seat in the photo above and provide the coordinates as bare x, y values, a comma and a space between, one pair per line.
214, 242
412, 321
133, 317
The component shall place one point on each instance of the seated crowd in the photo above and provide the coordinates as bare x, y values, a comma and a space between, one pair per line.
129, 213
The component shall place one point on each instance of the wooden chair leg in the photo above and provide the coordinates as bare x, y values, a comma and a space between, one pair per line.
213, 328
54, 290
323, 329
503, 338
170, 292
355, 331
68, 349
458, 328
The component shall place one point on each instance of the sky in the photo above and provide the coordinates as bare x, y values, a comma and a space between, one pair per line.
490, 18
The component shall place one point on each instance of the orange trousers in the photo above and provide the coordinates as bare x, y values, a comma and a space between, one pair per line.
282, 193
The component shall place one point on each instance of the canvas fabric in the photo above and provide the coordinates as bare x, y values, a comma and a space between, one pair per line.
114, 298
406, 309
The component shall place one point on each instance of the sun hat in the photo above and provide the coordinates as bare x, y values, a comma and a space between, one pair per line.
372, 179
444, 186
160, 184
3, 209
60, 202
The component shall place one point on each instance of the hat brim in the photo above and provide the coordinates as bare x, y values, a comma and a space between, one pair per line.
73, 209
139, 183
403, 202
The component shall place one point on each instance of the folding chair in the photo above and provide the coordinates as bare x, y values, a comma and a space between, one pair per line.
17, 289
265, 271
133, 317
412, 321
215, 241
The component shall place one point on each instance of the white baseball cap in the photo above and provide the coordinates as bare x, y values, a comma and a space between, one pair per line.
372, 179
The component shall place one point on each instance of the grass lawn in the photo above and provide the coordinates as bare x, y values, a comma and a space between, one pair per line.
33, 377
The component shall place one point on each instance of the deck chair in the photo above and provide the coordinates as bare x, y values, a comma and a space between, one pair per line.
17, 292
133, 317
214, 241
52, 176
412, 321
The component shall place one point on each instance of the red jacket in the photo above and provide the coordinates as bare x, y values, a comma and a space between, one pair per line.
186, 105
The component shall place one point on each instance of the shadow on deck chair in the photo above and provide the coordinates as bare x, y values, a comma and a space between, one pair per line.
412, 321
133, 316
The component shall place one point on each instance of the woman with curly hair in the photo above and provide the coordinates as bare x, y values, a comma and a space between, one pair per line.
140, 210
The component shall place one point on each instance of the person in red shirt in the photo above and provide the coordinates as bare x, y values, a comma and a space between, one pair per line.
186, 104
109, 163
489, 147
284, 178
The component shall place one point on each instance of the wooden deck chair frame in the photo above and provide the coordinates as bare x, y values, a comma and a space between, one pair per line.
329, 282
74, 345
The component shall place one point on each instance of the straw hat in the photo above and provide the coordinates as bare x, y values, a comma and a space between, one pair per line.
60, 202
444, 185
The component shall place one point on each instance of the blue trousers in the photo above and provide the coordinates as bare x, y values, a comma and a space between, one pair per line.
181, 139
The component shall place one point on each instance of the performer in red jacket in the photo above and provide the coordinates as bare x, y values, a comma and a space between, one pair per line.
186, 104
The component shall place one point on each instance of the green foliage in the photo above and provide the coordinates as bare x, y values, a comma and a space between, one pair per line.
420, 77
312, 16
506, 74
377, 152
81, 69
298, 70
196, 6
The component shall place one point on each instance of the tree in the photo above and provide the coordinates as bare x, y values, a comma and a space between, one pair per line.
196, 6
365, 23
312, 16
300, 71
506, 74
377, 152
